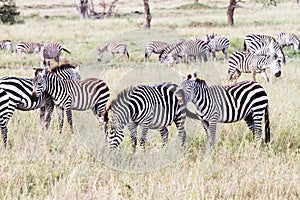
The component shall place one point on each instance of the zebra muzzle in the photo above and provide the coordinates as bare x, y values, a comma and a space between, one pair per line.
278, 74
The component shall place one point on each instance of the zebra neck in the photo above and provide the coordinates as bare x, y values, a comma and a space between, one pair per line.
55, 85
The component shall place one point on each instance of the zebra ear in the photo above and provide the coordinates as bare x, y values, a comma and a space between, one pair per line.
195, 74
180, 96
76, 69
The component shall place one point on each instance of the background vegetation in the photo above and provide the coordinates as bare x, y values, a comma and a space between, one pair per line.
42, 164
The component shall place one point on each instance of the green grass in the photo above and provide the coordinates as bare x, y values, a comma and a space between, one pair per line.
41, 164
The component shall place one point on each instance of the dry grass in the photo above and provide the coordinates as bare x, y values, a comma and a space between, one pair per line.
42, 164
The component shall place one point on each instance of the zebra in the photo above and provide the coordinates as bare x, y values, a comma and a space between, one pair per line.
17, 91
226, 104
154, 47
263, 44
252, 63
164, 53
151, 107
6, 44
218, 44
91, 93
113, 48
51, 51
287, 39
28, 47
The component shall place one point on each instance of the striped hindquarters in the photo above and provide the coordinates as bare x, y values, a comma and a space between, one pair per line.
287, 39
154, 47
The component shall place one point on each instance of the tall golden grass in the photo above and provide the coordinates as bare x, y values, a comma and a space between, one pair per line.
42, 164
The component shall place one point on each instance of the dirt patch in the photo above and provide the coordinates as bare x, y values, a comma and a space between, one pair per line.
201, 24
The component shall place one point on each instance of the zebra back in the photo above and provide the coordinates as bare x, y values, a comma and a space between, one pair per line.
154, 47
287, 39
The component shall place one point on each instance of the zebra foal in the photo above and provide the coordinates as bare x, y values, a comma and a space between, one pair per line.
243, 62
70, 95
151, 107
226, 104
113, 48
6, 44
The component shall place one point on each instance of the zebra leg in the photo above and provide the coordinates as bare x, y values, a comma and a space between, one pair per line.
258, 128
3, 125
69, 118
250, 123
210, 128
264, 74
60, 112
254, 75
133, 134
49, 110
42, 115
164, 133
214, 57
225, 55
143, 140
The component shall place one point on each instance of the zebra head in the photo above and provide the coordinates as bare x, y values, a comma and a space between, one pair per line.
39, 82
9, 46
99, 55
188, 86
275, 66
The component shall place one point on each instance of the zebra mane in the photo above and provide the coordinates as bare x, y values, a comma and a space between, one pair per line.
6, 41
62, 66
122, 96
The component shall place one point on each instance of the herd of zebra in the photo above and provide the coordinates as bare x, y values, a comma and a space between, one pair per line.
156, 106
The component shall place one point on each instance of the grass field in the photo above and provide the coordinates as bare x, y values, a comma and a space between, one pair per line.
41, 164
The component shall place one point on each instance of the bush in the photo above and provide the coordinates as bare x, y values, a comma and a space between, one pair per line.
8, 12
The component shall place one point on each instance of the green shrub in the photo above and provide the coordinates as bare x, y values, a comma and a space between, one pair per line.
8, 12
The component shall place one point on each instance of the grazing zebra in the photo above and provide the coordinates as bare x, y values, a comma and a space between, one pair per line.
28, 47
188, 49
6, 44
113, 48
18, 93
151, 107
263, 44
154, 47
218, 44
252, 63
226, 104
51, 51
288, 39
70, 95
165, 52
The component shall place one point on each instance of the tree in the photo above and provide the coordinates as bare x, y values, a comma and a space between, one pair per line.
147, 14
8, 12
233, 4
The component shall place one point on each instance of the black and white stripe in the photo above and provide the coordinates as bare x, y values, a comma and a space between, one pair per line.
243, 62
263, 44
151, 107
6, 44
28, 47
113, 48
154, 47
288, 39
19, 93
70, 95
51, 51
218, 44
226, 104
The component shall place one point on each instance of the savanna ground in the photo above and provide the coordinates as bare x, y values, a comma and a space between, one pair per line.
45, 165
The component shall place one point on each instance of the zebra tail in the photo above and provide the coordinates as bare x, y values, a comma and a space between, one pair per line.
66, 50
127, 54
245, 47
267, 126
192, 115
